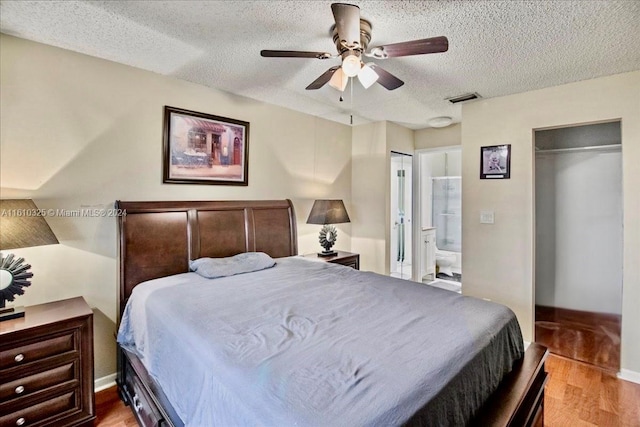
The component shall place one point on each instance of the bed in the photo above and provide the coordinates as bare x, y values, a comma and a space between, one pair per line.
302, 343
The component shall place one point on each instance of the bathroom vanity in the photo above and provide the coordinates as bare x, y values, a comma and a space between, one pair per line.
428, 267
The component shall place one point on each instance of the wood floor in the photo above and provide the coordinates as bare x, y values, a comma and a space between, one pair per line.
577, 395
111, 412
581, 335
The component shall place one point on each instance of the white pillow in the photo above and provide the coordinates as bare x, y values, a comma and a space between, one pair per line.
237, 264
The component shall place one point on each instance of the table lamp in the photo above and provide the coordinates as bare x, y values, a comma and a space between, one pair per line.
21, 226
327, 212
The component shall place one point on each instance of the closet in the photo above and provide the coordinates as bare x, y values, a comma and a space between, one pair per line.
578, 242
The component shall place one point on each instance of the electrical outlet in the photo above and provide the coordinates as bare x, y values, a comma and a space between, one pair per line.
486, 217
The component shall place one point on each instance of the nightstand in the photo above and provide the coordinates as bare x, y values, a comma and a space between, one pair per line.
46, 366
345, 258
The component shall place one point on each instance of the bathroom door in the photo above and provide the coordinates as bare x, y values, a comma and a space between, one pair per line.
401, 211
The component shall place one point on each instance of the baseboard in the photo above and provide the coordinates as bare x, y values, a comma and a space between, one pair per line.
104, 382
526, 345
629, 375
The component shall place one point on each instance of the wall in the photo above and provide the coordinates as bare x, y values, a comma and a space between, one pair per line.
369, 203
578, 136
438, 137
78, 131
578, 203
499, 258
372, 144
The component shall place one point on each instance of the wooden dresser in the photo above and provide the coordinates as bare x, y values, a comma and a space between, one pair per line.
46, 366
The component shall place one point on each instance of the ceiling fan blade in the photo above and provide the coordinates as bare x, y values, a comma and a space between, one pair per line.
385, 78
294, 54
347, 17
323, 79
414, 47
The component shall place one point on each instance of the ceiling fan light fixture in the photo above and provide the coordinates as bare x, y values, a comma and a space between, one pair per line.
367, 76
440, 122
351, 65
351, 35
339, 80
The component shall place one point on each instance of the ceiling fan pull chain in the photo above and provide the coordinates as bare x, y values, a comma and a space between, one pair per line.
351, 100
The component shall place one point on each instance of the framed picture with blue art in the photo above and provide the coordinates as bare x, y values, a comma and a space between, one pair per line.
202, 148
495, 162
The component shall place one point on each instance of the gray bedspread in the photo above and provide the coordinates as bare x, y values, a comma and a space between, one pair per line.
316, 344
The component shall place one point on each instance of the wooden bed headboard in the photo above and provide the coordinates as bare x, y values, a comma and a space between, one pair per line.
158, 239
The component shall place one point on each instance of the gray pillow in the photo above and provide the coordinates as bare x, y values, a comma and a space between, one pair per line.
237, 264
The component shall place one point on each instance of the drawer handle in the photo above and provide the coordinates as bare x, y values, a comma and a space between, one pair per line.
19, 358
20, 389
20, 421
137, 405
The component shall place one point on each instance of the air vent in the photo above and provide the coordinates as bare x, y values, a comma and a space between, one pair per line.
463, 98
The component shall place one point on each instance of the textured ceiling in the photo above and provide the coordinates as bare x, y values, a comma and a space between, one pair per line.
495, 48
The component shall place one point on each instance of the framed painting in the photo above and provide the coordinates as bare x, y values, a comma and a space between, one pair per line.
202, 148
495, 162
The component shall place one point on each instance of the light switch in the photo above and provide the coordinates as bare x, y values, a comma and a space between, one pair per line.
486, 217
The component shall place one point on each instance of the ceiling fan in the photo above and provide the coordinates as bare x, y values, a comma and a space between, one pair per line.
351, 35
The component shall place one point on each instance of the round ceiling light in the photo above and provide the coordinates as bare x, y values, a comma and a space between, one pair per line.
440, 122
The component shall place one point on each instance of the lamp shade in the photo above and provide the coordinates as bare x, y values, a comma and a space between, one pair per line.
328, 212
339, 80
22, 226
367, 76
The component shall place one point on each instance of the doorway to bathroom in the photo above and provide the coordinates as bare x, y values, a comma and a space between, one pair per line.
440, 210
578, 242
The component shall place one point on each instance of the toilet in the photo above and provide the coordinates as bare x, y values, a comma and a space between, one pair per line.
445, 261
